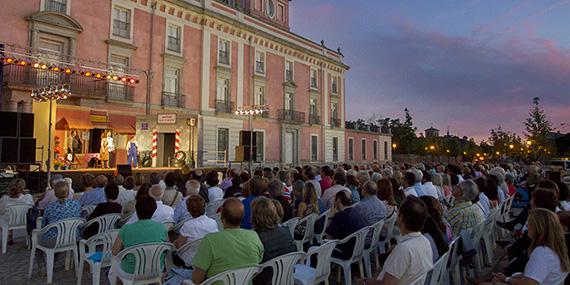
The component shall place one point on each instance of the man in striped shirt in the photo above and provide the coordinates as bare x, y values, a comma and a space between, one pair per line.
464, 214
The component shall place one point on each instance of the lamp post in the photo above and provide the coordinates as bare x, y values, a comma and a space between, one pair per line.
50, 93
191, 123
250, 111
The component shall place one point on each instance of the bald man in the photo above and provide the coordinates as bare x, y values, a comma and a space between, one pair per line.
163, 214
229, 249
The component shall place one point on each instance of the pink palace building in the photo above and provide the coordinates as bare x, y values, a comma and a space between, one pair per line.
196, 62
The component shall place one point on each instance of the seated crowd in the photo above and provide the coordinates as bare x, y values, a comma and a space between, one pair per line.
228, 221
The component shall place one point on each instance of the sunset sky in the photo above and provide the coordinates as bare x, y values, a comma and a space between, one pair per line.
469, 65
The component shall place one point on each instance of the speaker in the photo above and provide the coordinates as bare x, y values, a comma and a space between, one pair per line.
124, 169
244, 138
13, 150
242, 153
10, 124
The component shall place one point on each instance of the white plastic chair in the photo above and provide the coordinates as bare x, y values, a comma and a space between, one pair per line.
282, 267
357, 254
386, 242
219, 222
307, 275
212, 208
188, 246
309, 230
326, 215
452, 272
148, 267
373, 247
101, 243
87, 210
291, 224
476, 236
13, 218
489, 236
231, 277
105, 223
436, 275
66, 240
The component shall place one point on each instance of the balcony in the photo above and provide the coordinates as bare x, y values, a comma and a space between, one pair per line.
55, 6
119, 91
314, 119
291, 116
224, 106
170, 99
224, 57
335, 122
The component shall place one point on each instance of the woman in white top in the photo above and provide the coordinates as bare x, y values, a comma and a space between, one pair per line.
548, 262
171, 195
15, 196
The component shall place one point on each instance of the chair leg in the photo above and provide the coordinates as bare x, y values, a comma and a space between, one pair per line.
80, 271
361, 267
4, 239
96, 269
367, 265
347, 274
49, 263
75, 260
32, 257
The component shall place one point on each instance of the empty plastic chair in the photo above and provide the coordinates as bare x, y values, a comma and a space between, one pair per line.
307, 275
151, 260
373, 247
97, 252
66, 240
231, 277
283, 267
13, 218
357, 254
105, 223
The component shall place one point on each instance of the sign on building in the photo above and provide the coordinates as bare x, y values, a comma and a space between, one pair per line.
166, 119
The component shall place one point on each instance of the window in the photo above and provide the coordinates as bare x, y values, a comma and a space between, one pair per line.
223, 143
334, 111
313, 111
334, 85
375, 150
350, 149
270, 9
259, 146
259, 95
121, 22
335, 148
288, 71
53, 50
289, 101
223, 93
171, 80
259, 62
314, 148
314, 79
280, 12
174, 41
385, 150
59, 6
119, 65
363, 149
224, 52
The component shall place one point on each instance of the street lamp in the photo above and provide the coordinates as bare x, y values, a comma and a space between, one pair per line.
394, 145
191, 122
251, 111
511, 146
50, 93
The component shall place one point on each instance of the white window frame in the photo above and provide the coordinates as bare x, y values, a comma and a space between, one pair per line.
262, 56
292, 70
333, 91
264, 140
337, 148
67, 6
224, 97
131, 25
311, 145
350, 151
375, 148
363, 152
181, 38
257, 99
316, 87
220, 44
218, 141
285, 105
178, 75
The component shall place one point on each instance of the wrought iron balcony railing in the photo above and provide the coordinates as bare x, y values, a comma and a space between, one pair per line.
170, 99
224, 106
314, 119
291, 116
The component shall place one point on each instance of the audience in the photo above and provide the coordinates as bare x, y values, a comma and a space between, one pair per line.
171, 195
229, 249
97, 194
109, 207
63, 208
49, 196
371, 209
181, 210
15, 196
345, 222
464, 214
128, 192
276, 188
409, 181
309, 177
235, 190
163, 214
386, 195
427, 186
353, 185
339, 180
129, 207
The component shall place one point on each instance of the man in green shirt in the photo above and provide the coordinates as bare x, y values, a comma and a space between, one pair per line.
231, 248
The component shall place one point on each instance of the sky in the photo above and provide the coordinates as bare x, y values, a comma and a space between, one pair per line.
468, 65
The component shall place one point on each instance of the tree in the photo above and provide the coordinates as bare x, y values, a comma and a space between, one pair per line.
505, 142
537, 128
403, 133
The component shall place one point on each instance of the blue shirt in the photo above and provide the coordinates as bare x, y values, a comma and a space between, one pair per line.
246, 221
93, 197
371, 209
181, 211
419, 189
57, 211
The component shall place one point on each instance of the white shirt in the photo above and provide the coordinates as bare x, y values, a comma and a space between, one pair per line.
215, 193
24, 199
126, 196
565, 205
543, 266
330, 194
195, 229
429, 190
411, 258
410, 191
163, 214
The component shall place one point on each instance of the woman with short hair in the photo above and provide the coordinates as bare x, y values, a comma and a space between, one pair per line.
63, 208
15, 196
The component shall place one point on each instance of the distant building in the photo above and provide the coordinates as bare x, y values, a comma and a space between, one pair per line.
432, 132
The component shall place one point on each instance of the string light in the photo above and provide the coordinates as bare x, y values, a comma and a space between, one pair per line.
69, 70
252, 110
55, 92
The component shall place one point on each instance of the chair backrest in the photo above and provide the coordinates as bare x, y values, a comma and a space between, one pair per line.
360, 237
376, 229
309, 227
148, 259
219, 222
102, 242
391, 222
324, 217
212, 208
291, 224
67, 230
477, 233
87, 210
188, 245
16, 214
105, 222
453, 254
283, 267
324, 253
179, 225
437, 272
232, 277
